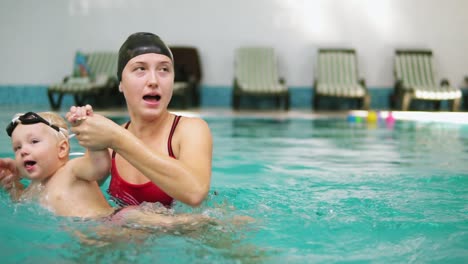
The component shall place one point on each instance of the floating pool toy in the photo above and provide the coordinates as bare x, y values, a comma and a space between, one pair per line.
372, 117
351, 118
390, 118
380, 118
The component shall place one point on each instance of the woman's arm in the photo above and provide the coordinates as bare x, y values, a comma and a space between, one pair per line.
186, 179
95, 164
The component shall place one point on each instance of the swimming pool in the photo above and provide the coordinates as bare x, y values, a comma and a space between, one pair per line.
321, 189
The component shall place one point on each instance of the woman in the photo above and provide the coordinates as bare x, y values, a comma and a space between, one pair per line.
156, 156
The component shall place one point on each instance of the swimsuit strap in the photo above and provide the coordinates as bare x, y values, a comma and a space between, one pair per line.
169, 140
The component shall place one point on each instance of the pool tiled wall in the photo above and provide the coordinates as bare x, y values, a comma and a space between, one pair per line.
211, 97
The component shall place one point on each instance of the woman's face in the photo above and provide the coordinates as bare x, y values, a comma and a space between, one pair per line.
147, 83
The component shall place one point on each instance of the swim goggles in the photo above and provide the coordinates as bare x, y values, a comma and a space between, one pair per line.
28, 119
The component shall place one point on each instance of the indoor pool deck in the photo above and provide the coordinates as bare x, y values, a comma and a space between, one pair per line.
447, 117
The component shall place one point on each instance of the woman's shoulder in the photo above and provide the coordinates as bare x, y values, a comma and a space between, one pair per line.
193, 122
193, 125
193, 135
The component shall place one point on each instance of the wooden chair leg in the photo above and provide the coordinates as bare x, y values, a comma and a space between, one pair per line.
406, 100
55, 104
79, 99
359, 102
392, 101
316, 102
186, 102
456, 104
366, 102
278, 101
236, 102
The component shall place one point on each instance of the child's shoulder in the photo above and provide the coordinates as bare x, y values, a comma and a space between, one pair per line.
69, 169
63, 178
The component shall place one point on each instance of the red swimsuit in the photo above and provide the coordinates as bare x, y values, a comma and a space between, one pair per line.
125, 193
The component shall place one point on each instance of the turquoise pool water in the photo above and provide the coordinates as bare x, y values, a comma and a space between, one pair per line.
322, 190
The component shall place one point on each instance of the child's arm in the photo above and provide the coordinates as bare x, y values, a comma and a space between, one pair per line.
95, 164
10, 178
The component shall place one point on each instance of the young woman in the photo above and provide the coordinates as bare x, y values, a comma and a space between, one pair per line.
156, 156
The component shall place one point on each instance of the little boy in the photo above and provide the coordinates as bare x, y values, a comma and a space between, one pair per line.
66, 186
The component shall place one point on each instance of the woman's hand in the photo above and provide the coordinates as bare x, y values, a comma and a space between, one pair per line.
96, 132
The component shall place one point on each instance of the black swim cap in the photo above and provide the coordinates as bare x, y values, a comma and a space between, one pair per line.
140, 43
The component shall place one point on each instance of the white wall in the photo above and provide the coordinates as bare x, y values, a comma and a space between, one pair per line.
39, 38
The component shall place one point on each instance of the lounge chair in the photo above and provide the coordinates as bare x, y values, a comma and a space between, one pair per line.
256, 74
415, 78
95, 74
337, 76
188, 75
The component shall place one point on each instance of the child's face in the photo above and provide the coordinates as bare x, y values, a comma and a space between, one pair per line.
36, 149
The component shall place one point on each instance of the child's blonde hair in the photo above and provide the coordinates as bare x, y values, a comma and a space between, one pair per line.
57, 120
